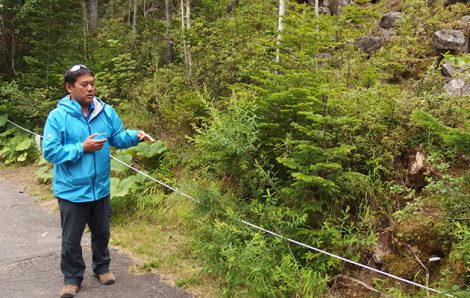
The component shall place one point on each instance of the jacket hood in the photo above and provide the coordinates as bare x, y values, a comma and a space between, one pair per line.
73, 107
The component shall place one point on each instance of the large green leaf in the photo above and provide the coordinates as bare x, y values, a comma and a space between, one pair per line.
139, 178
121, 187
6, 133
118, 167
25, 144
3, 120
44, 174
22, 157
150, 150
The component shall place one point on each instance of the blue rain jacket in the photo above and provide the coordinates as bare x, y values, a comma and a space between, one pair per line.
82, 176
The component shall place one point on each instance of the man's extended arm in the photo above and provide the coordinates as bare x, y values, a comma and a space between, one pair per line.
121, 138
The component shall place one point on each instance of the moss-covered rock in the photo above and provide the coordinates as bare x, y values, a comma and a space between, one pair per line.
424, 231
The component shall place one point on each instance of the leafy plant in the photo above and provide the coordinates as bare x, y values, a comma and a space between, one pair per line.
15, 146
45, 172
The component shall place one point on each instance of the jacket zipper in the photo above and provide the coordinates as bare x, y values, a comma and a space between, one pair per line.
94, 166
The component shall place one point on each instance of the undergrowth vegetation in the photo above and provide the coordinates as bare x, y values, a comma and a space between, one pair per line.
316, 147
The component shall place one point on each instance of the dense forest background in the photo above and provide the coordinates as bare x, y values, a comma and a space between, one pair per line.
318, 121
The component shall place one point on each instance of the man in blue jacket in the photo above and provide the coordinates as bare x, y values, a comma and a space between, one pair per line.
77, 138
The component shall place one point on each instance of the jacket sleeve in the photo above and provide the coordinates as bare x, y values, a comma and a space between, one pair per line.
53, 148
121, 138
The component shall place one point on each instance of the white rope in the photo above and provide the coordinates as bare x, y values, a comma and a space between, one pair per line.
276, 234
153, 179
346, 260
295, 241
25, 129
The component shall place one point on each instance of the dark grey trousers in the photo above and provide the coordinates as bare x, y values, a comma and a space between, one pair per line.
73, 218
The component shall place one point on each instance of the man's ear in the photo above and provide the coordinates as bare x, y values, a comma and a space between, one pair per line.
68, 87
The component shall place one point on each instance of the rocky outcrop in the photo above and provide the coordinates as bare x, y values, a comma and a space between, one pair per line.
415, 177
459, 84
385, 34
332, 7
451, 70
449, 40
458, 87
369, 44
391, 19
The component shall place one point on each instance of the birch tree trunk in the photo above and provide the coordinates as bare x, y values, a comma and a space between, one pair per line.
168, 37
185, 25
93, 6
188, 47
316, 9
280, 28
183, 32
315, 4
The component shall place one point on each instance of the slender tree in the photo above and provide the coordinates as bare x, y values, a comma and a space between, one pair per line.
185, 25
168, 36
8, 36
134, 21
85, 29
315, 4
280, 27
93, 7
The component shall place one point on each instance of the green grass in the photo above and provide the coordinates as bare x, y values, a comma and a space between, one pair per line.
158, 239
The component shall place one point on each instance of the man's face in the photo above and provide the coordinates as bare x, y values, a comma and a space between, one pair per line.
83, 90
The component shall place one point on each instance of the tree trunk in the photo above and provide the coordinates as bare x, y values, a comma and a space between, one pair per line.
188, 14
144, 11
8, 43
93, 14
134, 22
188, 48
13, 52
185, 25
168, 37
183, 32
129, 12
85, 29
316, 10
280, 28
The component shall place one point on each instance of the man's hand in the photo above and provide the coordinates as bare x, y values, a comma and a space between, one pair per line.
145, 137
91, 145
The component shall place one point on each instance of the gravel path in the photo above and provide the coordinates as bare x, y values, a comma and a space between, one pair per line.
30, 253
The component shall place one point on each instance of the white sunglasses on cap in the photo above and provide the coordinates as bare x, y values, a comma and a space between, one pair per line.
77, 67
74, 68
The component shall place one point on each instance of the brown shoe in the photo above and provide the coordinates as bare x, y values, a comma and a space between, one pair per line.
106, 278
68, 291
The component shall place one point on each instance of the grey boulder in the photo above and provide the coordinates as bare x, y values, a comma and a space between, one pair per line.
391, 19
369, 44
458, 87
449, 40
451, 70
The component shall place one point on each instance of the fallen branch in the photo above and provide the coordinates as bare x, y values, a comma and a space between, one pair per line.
422, 265
335, 278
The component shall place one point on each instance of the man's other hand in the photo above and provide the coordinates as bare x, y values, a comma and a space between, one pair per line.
91, 145
145, 137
